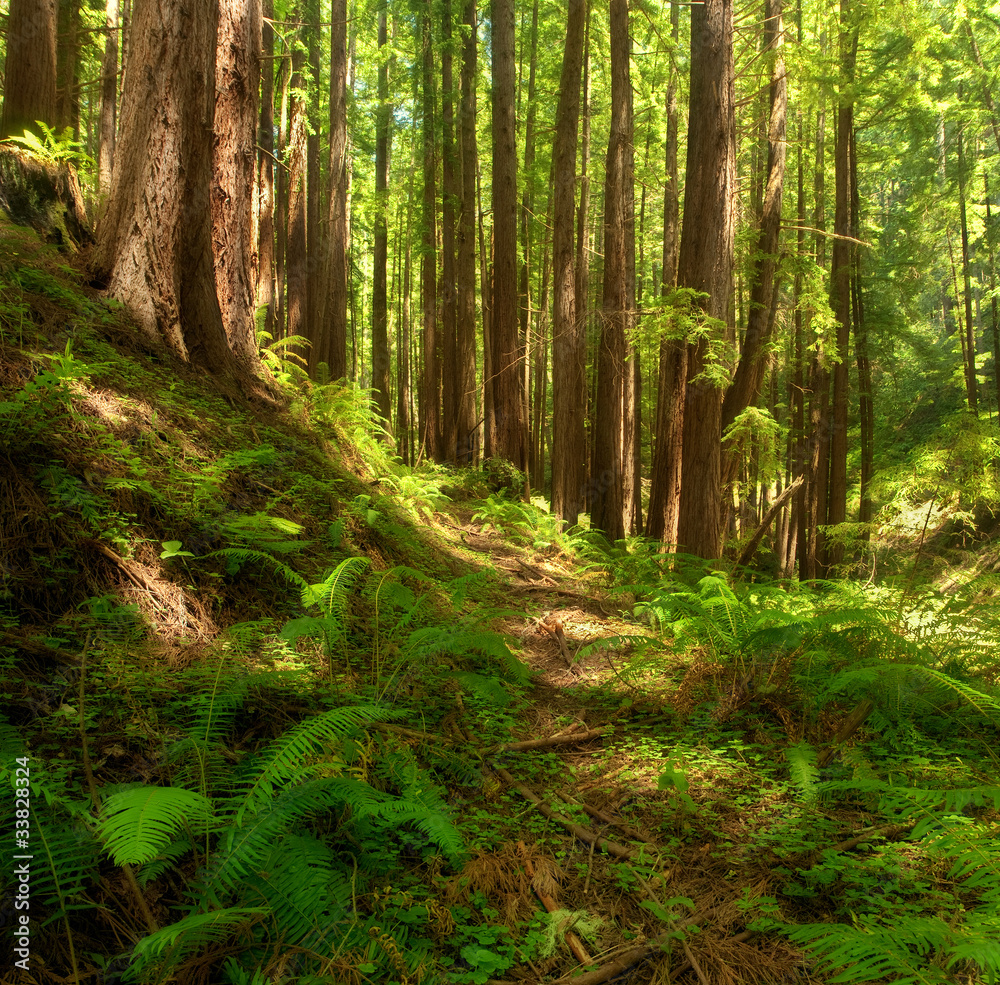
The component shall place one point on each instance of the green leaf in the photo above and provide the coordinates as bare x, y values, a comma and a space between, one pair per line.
137, 824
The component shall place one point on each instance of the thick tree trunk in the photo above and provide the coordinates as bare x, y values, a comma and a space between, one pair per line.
507, 369
465, 271
749, 376
705, 264
569, 343
612, 506
155, 246
380, 306
237, 72
30, 71
107, 127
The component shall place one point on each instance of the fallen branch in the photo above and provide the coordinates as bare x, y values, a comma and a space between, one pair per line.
577, 830
758, 535
548, 741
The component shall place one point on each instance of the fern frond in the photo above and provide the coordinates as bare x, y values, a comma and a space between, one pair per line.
137, 824
803, 769
236, 557
285, 758
306, 890
332, 592
168, 946
69, 863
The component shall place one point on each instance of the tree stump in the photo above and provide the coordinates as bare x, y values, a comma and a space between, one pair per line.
46, 197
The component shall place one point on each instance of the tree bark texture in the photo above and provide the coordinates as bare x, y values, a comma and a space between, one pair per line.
705, 264
612, 507
155, 241
507, 371
237, 73
298, 317
30, 72
569, 343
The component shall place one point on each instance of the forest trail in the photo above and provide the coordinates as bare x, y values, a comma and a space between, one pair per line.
607, 838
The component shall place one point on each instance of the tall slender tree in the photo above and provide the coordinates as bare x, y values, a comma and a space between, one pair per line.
612, 506
569, 343
380, 306
507, 372
705, 265
107, 130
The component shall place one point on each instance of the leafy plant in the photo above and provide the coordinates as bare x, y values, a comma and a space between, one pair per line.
55, 147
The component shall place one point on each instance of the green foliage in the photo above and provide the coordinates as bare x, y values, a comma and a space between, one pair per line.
55, 147
137, 824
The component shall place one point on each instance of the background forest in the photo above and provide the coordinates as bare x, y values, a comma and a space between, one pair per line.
665, 267
499, 492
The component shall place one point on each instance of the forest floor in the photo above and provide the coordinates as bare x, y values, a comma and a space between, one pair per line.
294, 712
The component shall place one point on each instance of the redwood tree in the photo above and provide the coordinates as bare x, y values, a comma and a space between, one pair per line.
155, 240
705, 265
508, 378
30, 73
569, 380
237, 72
612, 508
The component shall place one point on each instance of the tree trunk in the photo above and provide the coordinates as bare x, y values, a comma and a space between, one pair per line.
569, 343
665, 490
30, 71
705, 264
840, 282
749, 376
612, 507
507, 371
380, 306
995, 315
296, 159
155, 246
333, 335
451, 188
970, 341
107, 127
527, 220
430, 388
265, 175
465, 271
237, 72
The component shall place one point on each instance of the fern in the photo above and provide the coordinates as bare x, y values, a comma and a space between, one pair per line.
137, 824
165, 948
332, 594
283, 761
236, 557
802, 766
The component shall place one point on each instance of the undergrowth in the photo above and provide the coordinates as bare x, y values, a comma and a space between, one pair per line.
263, 709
